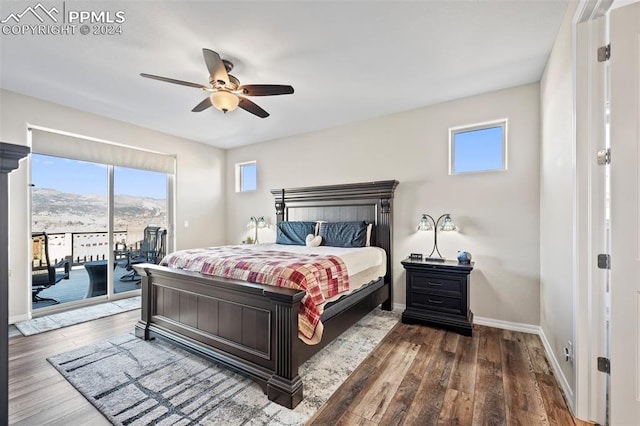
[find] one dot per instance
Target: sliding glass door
(139, 222)
(69, 224)
(87, 233)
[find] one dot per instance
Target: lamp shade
(448, 225)
(261, 223)
(224, 101)
(425, 224)
(257, 222)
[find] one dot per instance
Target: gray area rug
(77, 316)
(137, 382)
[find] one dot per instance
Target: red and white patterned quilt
(321, 276)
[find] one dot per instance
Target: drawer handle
(435, 284)
(435, 301)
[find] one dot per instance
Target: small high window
(246, 176)
(478, 148)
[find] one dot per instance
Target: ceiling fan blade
(254, 109)
(216, 67)
(265, 89)
(173, 80)
(206, 103)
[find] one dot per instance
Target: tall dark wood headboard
(368, 201)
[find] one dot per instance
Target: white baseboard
(17, 318)
(400, 307)
(507, 325)
(557, 371)
(490, 322)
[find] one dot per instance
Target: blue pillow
(343, 234)
(294, 233)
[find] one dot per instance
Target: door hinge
(604, 261)
(604, 365)
(604, 157)
(604, 53)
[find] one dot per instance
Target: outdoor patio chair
(43, 273)
(152, 249)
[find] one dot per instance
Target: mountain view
(54, 211)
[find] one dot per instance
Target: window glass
(478, 148)
(139, 219)
(246, 177)
(70, 229)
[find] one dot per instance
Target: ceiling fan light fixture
(225, 90)
(224, 101)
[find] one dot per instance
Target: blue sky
(80, 177)
(478, 150)
(249, 181)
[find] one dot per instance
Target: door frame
(588, 36)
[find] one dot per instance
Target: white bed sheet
(356, 259)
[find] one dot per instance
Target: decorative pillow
(343, 234)
(294, 233)
(313, 240)
(369, 229)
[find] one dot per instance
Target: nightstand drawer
(436, 302)
(429, 282)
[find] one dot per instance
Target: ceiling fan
(226, 91)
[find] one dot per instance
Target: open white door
(592, 331)
(625, 219)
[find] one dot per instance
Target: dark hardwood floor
(417, 376)
(425, 376)
(38, 394)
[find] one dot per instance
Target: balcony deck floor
(76, 287)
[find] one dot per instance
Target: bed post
(142, 326)
(285, 385)
(384, 232)
(280, 207)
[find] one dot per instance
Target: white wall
(200, 182)
(557, 197)
(497, 212)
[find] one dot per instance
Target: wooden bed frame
(253, 328)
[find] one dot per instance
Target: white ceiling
(348, 61)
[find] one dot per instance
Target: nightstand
(438, 294)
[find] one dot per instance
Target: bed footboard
(250, 328)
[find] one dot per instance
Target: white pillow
(313, 241)
(368, 241)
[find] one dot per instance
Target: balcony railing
(81, 247)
